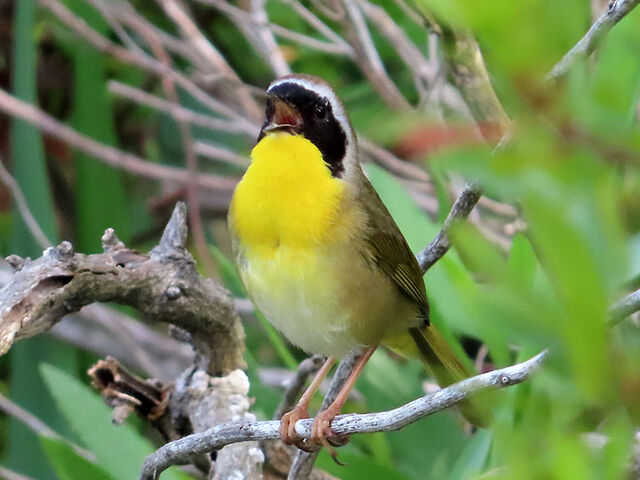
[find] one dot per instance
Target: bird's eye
(321, 111)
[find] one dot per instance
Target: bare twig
(319, 25)
(214, 438)
(23, 207)
(7, 474)
(244, 19)
(461, 208)
(103, 44)
(423, 72)
(306, 368)
(216, 61)
(112, 156)
(390, 162)
(38, 426)
(368, 59)
(191, 159)
(617, 10)
(624, 307)
(209, 150)
(180, 112)
(106, 331)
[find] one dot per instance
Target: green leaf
(120, 450)
(68, 464)
(473, 457)
(27, 152)
(522, 262)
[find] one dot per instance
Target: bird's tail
(443, 364)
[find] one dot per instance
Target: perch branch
(616, 11)
(303, 461)
(217, 437)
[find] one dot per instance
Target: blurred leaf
(29, 391)
(91, 420)
(473, 457)
(69, 465)
(28, 160)
(522, 262)
(358, 467)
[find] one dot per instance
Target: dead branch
(163, 286)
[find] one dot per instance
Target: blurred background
(441, 93)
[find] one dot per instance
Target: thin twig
(216, 61)
(38, 426)
(368, 59)
(624, 307)
(313, 21)
(209, 150)
(441, 244)
(124, 13)
(306, 368)
(241, 18)
(617, 10)
(178, 111)
(191, 159)
(7, 474)
(23, 207)
(103, 44)
(217, 437)
(423, 72)
(109, 155)
(390, 162)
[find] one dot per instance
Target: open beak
(284, 118)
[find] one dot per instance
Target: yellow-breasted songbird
(320, 255)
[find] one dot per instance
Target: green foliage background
(580, 252)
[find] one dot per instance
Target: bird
(320, 255)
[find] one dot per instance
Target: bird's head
(308, 106)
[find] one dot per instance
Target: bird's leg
(322, 423)
(288, 420)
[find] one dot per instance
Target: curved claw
(322, 434)
(288, 425)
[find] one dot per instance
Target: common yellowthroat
(320, 255)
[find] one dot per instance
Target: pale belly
(328, 302)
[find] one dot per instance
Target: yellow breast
(287, 196)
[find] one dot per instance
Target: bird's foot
(288, 425)
(321, 433)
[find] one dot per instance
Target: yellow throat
(287, 196)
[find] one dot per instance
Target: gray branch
(617, 10)
(303, 462)
(228, 433)
(624, 307)
(440, 245)
(163, 286)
